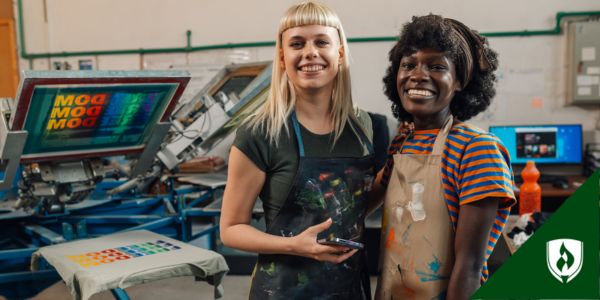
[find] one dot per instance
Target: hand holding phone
(341, 242)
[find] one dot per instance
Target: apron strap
(440, 140)
(298, 135)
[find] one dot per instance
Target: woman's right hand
(305, 244)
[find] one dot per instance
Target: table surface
(549, 191)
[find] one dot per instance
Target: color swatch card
(111, 255)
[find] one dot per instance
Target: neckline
(426, 131)
(316, 134)
(435, 130)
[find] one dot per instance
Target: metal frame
(11, 155)
(167, 214)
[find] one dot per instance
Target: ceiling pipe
(188, 48)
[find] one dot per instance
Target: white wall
(531, 88)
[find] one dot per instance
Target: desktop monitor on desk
(543, 144)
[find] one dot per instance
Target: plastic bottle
(530, 195)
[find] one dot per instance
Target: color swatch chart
(107, 256)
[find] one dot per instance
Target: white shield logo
(564, 258)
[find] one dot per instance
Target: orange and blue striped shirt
(475, 166)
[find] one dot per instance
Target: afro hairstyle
(451, 37)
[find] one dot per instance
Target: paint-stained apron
(417, 234)
(322, 188)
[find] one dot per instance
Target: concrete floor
(235, 287)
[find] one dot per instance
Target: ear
(342, 53)
(281, 60)
(458, 86)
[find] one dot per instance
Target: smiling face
(426, 84)
(311, 55)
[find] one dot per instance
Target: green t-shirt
(281, 163)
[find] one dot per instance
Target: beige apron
(417, 235)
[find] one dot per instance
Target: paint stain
(405, 235)
(408, 292)
(537, 102)
(425, 277)
(270, 270)
(390, 238)
(434, 265)
(302, 278)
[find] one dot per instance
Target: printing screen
(544, 144)
(75, 118)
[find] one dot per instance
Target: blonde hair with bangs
(273, 115)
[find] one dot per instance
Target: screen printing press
(66, 203)
(88, 157)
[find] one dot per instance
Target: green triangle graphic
(526, 274)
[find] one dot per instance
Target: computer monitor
(543, 144)
(71, 115)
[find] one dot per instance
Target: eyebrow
(320, 35)
(429, 58)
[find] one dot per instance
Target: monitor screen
(544, 144)
(85, 117)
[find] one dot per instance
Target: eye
(296, 44)
(407, 66)
(438, 67)
(322, 43)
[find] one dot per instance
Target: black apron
(322, 188)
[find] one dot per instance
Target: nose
(419, 73)
(310, 51)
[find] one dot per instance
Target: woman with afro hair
(448, 185)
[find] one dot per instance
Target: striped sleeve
(485, 172)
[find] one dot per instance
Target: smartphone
(341, 242)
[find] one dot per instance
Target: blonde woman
(307, 153)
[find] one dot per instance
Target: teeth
(419, 93)
(312, 68)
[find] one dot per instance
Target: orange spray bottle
(530, 195)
